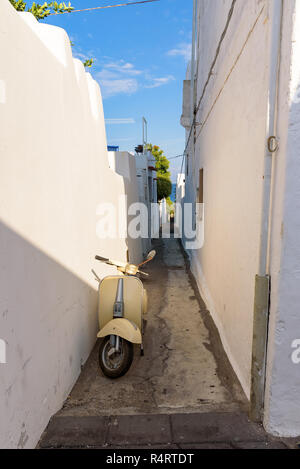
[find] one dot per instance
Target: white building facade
(54, 179)
(147, 189)
(241, 112)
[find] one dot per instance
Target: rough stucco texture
(282, 415)
(230, 149)
(53, 173)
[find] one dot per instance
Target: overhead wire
(210, 74)
(230, 73)
(105, 7)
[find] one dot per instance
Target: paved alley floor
(183, 387)
(183, 369)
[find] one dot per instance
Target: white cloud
(156, 82)
(128, 120)
(107, 75)
(80, 55)
(116, 77)
(120, 77)
(123, 67)
(184, 50)
(113, 87)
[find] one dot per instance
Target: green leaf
(88, 63)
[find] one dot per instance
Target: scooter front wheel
(116, 364)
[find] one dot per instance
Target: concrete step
(181, 431)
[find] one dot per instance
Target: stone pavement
(173, 431)
(185, 368)
(182, 394)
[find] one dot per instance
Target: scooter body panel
(124, 328)
(134, 300)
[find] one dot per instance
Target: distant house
(112, 148)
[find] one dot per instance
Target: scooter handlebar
(121, 266)
(143, 273)
(110, 261)
(101, 259)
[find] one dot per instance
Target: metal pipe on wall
(193, 102)
(193, 61)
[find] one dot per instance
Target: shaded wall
(230, 146)
(282, 405)
(230, 149)
(53, 173)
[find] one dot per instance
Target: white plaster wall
(282, 407)
(178, 216)
(53, 173)
(142, 178)
(230, 149)
(124, 163)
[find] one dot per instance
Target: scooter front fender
(124, 328)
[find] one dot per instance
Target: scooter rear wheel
(118, 364)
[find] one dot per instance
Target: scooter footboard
(124, 328)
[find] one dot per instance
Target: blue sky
(141, 54)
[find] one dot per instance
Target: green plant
(164, 187)
(88, 63)
(164, 184)
(162, 163)
(19, 5)
(42, 11)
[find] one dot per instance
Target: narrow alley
(184, 371)
(150, 225)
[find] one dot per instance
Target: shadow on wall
(48, 320)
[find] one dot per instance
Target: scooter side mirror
(151, 255)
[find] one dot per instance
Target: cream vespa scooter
(122, 303)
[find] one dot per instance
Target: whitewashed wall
(142, 165)
(124, 163)
(282, 413)
(180, 196)
(230, 149)
(53, 173)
